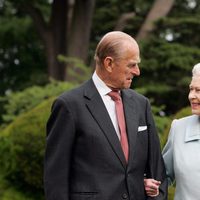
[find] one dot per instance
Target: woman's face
(194, 95)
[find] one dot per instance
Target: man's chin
(126, 87)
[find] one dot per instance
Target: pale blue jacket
(182, 157)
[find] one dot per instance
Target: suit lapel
(99, 112)
(131, 116)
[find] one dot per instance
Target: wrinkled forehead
(195, 82)
(133, 50)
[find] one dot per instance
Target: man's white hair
(196, 70)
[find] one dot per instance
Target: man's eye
(132, 66)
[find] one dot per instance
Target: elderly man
(101, 137)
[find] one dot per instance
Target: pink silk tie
(115, 96)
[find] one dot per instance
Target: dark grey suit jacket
(84, 159)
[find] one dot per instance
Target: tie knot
(115, 96)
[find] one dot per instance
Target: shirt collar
(102, 88)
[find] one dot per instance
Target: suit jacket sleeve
(60, 138)
(155, 166)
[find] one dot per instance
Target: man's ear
(108, 63)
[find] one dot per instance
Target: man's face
(194, 95)
(125, 69)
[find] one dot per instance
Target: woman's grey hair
(196, 70)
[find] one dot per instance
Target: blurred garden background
(47, 47)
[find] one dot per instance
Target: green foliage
(171, 191)
(12, 194)
(183, 113)
(22, 141)
(180, 29)
(77, 70)
(185, 8)
(150, 88)
(161, 124)
(166, 72)
(169, 55)
(22, 146)
(22, 59)
(8, 192)
(110, 13)
(106, 17)
(16, 103)
(161, 121)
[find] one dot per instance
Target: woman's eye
(197, 90)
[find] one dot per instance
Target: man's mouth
(130, 79)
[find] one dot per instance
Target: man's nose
(136, 71)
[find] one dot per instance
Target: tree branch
(38, 20)
(159, 9)
(123, 20)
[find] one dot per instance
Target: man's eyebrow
(136, 61)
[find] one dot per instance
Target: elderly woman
(182, 151)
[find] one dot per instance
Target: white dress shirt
(103, 90)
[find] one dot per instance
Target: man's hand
(151, 187)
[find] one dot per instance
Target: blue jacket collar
(193, 129)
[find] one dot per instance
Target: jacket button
(124, 196)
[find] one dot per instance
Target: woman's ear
(108, 63)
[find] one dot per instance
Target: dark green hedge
(22, 146)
